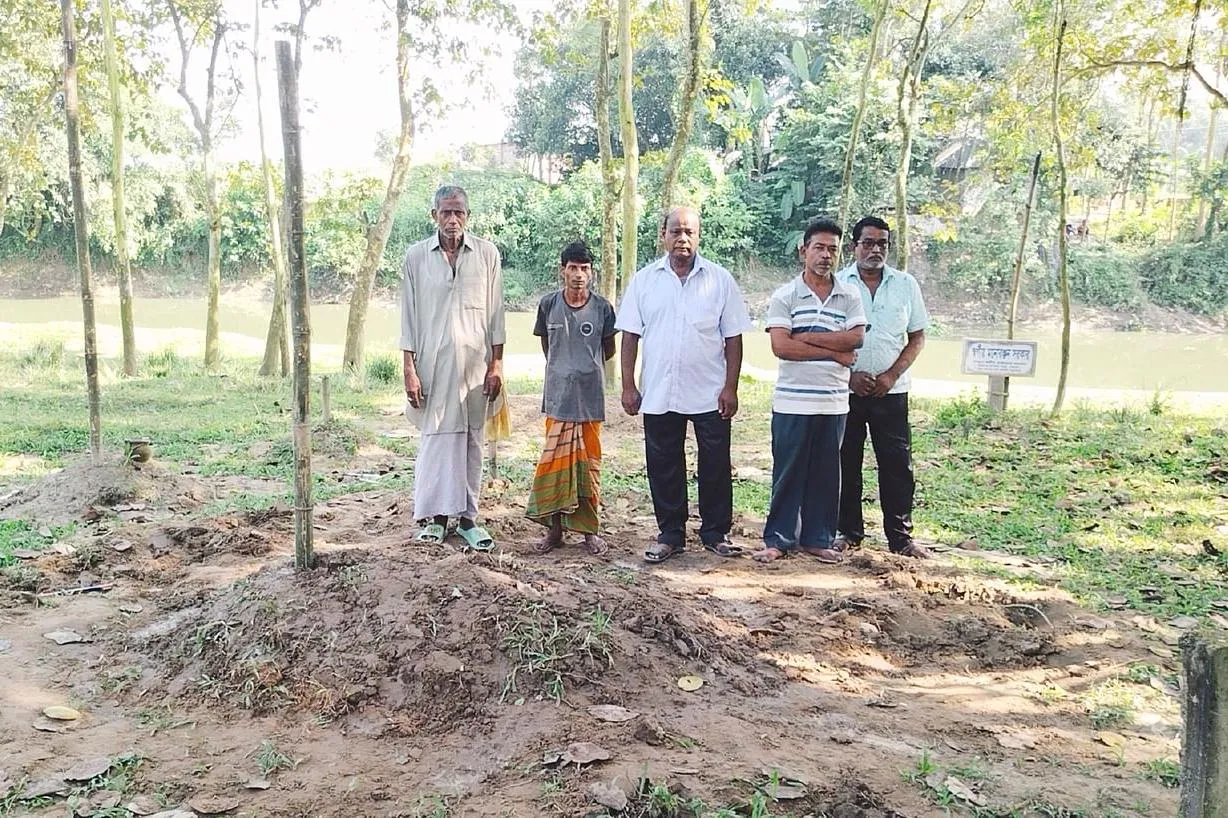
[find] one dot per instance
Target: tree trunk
(609, 182)
(5, 185)
(214, 282)
(850, 153)
(276, 344)
(1059, 152)
(1204, 710)
(81, 225)
(906, 106)
(1017, 279)
(122, 261)
(1108, 216)
(631, 145)
(1180, 126)
(300, 315)
(696, 18)
(377, 235)
(1151, 127)
(1208, 157)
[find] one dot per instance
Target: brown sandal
(547, 544)
(917, 552)
(595, 545)
(827, 556)
(769, 554)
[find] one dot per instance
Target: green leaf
(801, 61)
(786, 205)
(799, 191)
(758, 95)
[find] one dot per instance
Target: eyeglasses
(872, 244)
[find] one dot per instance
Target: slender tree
(863, 89)
(72, 118)
(377, 235)
(123, 263)
(210, 22)
(696, 26)
(609, 181)
(1059, 153)
(1175, 173)
(630, 140)
(300, 314)
(276, 344)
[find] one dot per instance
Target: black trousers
(665, 454)
(886, 418)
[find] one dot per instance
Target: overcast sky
(349, 96)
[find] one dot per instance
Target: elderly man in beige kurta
(452, 336)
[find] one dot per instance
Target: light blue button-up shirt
(894, 310)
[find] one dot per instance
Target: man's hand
(413, 388)
(862, 384)
(632, 400)
(844, 358)
(883, 383)
(727, 402)
(492, 385)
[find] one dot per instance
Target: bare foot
(548, 543)
(768, 555)
(594, 544)
(826, 555)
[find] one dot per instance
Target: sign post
(999, 360)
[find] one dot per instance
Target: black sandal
(723, 548)
(660, 552)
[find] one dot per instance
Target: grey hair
(448, 192)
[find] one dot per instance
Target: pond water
(1100, 359)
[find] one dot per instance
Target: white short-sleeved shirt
(813, 387)
(683, 327)
(894, 310)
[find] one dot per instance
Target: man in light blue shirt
(879, 385)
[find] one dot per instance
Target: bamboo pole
(287, 81)
(80, 225)
(1204, 753)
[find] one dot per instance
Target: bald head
(680, 236)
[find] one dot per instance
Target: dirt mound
(85, 491)
(430, 640)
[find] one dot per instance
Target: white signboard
(1003, 358)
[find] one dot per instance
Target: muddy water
(1099, 358)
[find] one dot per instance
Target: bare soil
(399, 679)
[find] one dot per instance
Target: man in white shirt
(880, 384)
(452, 335)
(690, 315)
(816, 322)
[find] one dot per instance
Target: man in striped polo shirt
(816, 323)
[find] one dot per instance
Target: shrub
(1103, 277)
(1190, 276)
(383, 369)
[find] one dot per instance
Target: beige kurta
(450, 322)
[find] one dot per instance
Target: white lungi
(448, 474)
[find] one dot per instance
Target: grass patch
(19, 535)
(549, 653)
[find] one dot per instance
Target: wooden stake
(80, 225)
(1204, 753)
(287, 82)
(326, 399)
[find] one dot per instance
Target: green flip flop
(476, 538)
(432, 533)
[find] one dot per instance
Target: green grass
(16, 535)
(1114, 502)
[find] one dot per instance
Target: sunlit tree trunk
(1059, 150)
(696, 16)
(905, 115)
(122, 262)
(631, 145)
(1175, 176)
(203, 121)
(276, 343)
(377, 235)
(867, 75)
(1208, 157)
(609, 181)
(80, 225)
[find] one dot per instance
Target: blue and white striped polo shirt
(813, 387)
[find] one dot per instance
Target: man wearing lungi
(452, 335)
(576, 327)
